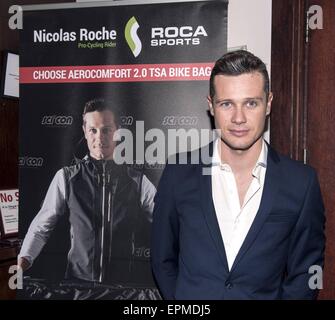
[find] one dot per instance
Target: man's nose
(238, 116)
(99, 135)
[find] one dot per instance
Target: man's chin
(242, 146)
(101, 156)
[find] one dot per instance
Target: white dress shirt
(235, 220)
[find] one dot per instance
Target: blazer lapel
(271, 185)
(209, 210)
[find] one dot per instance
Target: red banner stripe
(117, 73)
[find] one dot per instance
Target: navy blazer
(284, 241)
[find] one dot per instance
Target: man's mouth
(239, 132)
(101, 146)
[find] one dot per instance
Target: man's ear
(269, 103)
(84, 131)
(210, 105)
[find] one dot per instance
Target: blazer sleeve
(307, 245)
(164, 236)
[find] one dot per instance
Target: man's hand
(23, 263)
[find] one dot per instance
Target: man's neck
(241, 160)
(100, 159)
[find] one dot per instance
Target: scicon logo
(126, 120)
(182, 121)
(57, 120)
(31, 161)
(132, 38)
(142, 252)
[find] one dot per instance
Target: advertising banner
(9, 212)
(85, 216)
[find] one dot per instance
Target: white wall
(249, 23)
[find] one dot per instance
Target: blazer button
(229, 285)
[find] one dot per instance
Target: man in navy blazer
(248, 223)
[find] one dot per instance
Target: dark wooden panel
(287, 82)
(8, 144)
(321, 129)
(9, 40)
(303, 81)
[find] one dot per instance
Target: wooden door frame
(291, 67)
(288, 77)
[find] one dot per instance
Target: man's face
(99, 128)
(240, 108)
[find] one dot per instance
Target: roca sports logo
(177, 36)
(132, 38)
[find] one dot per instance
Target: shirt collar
(261, 161)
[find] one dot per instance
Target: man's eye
(252, 104)
(225, 105)
(106, 130)
(92, 130)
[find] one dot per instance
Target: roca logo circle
(57, 120)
